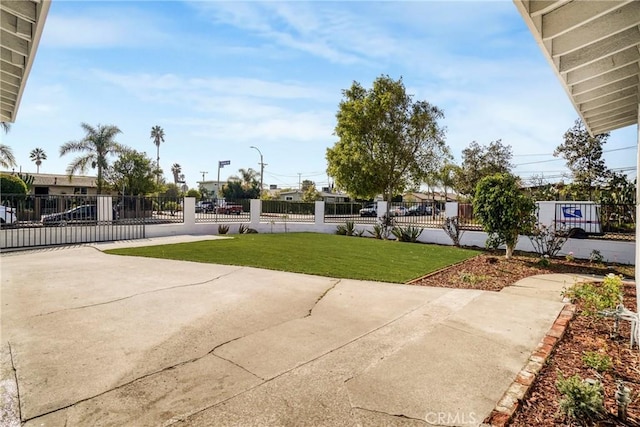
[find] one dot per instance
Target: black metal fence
(213, 210)
(287, 211)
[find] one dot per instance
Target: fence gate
(35, 221)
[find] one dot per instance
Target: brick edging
(519, 388)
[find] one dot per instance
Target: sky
(221, 77)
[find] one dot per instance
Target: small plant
(223, 228)
(383, 227)
(377, 231)
(544, 261)
(569, 257)
(359, 233)
(582, 400)
(407, 234)
(598, 361)
(349, 229)
(596, 257)
(453, 229)
(598, 296)
(244, 229)
(472, 278)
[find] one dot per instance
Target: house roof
(593, 47)
(45, 179)
(22, 24)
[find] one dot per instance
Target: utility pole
(299, 181)
(203, 174)
(262, 165)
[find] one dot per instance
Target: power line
(555, 160)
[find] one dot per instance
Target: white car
(7, 215)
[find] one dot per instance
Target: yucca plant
(407, 234)
(223, 229)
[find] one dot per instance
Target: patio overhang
(594, 48)
(21, 26)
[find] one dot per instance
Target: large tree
(95, 147)
(134, 172)
(37, 155)
(479, 161)
(388, 142)
(503, 209)
(157, 136)
(245, 186)
(583, 154)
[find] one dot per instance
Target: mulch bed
(491, 271)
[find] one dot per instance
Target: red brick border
(507, 405)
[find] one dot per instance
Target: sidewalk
(137, 341)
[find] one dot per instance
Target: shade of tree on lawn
(387, 141)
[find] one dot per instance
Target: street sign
(223, 163)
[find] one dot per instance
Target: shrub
(598, 296)
(598, 361)
(245, 229)
(12, 184)
(581, 400)
(377, 231)
(407, 234)
(547, 240)
(349, 229)
(223, 229)
(544, 261)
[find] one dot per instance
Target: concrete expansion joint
(186, 285)
(399, 416)
(329, 289)
(520, 387)
(12, 410)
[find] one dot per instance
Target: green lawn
(315, 253)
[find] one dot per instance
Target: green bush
(581, 400)
(349, 229)
(12, 184)
(598, 361)
(245, 229)
(598, 296)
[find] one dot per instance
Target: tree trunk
(509, 252)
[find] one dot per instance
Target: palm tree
(97, 144)
(176, 169)
(7, 159)
(157, 135)
(6, 127)
(37, 155)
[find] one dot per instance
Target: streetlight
(261, 168)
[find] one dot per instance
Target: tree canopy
(583, 154)
(503, 210)
(96, 146)
(136, 171)
(479, 162)
(387, 141)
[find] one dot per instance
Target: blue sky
(220, 77)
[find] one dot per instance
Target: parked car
(399, 211)
(7, 215)
(369, 210)
(422, 210)
(81, 214)
(204, 207)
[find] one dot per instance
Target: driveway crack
(186, 285)
(15, 376)
(329, 289)
(401, 416)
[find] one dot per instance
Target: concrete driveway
(102, 340)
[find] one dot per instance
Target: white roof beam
(631, 100)
(24, 9)
(624, 41)
(604, 79)
(613, 126)
(613, 119)
(575, 14)
(14, 43)
(629, 109)
(605, 65)
(629, 82)
(12, 70)
(540, 7)
(9, 81)
(612, 97)
(605, 26)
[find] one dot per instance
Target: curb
(519, 388)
